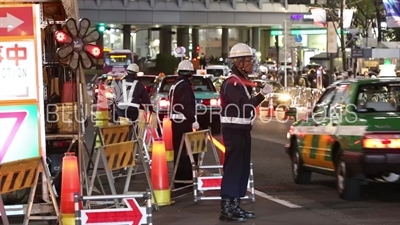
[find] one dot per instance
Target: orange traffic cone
(309, 108)
(258, 110)
(159, 174)
(167, 138)
(271, 111)
(70, 184)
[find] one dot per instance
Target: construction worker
(183, 117)
(131, 95)
(238, 110)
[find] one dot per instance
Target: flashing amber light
(62, 37)
(70, 183)
(385, 141)
(93, 50)
(167, 138)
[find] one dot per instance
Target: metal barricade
(196, 144)
(132, 214)
(23, 174)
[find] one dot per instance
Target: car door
(313, 128)
(327, 127)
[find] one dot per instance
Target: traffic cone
(102, 116)
(271, 111)
(159, 174)
(309, 108)
(167, 138)
(70, 184)
(258, 110)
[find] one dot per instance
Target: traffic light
(101, 27)
(197, 49)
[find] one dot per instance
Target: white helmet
(240, 50)
(185, 65)
(133, 68)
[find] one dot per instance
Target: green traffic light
(101, 27)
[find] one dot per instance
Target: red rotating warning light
(93, 50)
(62, 37)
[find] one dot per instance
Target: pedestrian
(238, 113)
(131, 95)
(183, 117)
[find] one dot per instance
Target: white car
(218, 70)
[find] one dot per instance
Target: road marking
(277, 200)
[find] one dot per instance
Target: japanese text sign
(18, 70)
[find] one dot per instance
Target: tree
(365, 12)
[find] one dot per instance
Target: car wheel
(348, 186)
(299, 172)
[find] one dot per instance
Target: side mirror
(292, 111)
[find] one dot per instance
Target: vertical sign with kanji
(21, 83)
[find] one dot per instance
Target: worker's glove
(267, 89)
(195, 125)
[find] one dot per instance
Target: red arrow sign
(20, 116)
(131, 215)
(16, 21)
(211, 182)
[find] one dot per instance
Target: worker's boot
(242, 212)
(229, 212)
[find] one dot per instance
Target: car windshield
(215, 72)
(146, 80)
(381, 97)
(201, 84)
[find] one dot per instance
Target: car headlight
(284, 97)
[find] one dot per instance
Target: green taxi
(207, 100)
(353, 133)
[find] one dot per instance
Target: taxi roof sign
(387, 70)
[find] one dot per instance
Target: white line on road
(277, 200)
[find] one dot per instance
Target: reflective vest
(127, 97)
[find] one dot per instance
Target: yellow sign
(117, 56)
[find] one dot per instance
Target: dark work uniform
(140, 97)
(182, 113)
(236, 118)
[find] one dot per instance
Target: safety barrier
(23, 174)
(132, 214)
(196, 143)
(117, 151)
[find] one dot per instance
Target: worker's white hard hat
(133, 68)
(185, 65)
(240, 50)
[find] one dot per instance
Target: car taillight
(163, 103)
(214, 102)
(376, 141)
